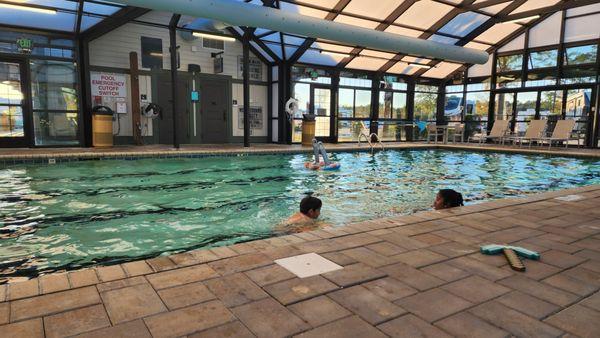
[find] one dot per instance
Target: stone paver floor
(418, 275)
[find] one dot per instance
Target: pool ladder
(369, 138)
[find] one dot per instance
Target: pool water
(68, 215)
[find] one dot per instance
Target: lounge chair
(499, 131)
(562, 132)
(535, 131)
(459, 133)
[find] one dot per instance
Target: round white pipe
(246, 14)
(202, 24)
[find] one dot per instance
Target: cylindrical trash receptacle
(308, 129)
(102, 126)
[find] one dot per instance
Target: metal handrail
(368, 139)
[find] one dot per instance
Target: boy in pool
(447, 198)
(310, 209)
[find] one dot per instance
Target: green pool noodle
(493, 249)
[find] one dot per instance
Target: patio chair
(459, 133)
(433, 131)
(562, 133)
(499, 131)
(535, 131)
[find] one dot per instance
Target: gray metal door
(164, 100)
(214, 110)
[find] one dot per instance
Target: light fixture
(214, 36)
(326, 52)
(156, 54)
(27, 8)
(419, 65)
(529, 18)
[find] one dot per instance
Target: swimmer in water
(310, 209)
(447, 198)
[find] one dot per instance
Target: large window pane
(55, 128)
(547, 58)
(508, 81)
(580, 55)
(399, 107)
(345, 102)
(453, 107)
(578, 108)
(393, 131)
(10, 83)
(11, 121)
(392, 105)
(526, 103)
(54, 85)
(362, 104)
(425, 106)
(509, 63)
(551, 107)
(349, 131)
(385, 104)
(582, 74)
(504, 106)
(301, 92)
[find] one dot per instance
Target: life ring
(321, 165)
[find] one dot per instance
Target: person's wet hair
(451, 198)
(310, 203)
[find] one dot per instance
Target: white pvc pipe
(237, 13)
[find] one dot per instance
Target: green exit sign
(25, 45)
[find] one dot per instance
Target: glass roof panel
(416, 59)
(403, 68)
(58, 21)
(289, 51)
(356, 21)
(100, 9)
(332, 47)
(275, 48)
(497, 32)
(424, 14)
(441, 70)
(493, 10)
(477, 45)
(275, 37)
(261, 51)
(464, 24)
(366, 63)
(530, 5)
(377, 54)
(62, 4)
(322, 3)
(89, 21)
(293, 40)
(443, 39)
(365, 7)
(404, 31)
(315, 57)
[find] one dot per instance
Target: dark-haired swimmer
(447, 198)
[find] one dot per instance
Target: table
(444, 129)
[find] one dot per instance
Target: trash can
(102, 126)
(308, 129)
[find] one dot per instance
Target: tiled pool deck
(42, 155)
(418, 275)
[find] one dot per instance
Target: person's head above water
(311, 206)
(447, 198)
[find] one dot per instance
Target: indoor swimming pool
(74, 214)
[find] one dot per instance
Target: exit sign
(25, 45)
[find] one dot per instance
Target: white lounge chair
(434, 131)
(499, 131)
(535, 131)
(562, 133)
(459, 133)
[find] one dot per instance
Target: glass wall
(425, 108)
(11, 101)
(477, 108)
(393, 122)
(354, 106)
(578, 107)
(311, 99)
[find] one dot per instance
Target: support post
(135, 98)
(246, 76)
(173, 52)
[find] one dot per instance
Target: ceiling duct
(203, 25)
(246, 14)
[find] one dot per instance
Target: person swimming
(310, 209)
(447, 198)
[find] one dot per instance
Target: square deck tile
(132, 303)
(268, 318)
(347, 327)
(307, 265)
(411, 326)
(319, 311)
(369, 306)
(434, 304)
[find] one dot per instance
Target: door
(165, 123)
(320, 98)
(214, 104)
(14, 126)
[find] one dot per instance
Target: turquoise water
(63, 216)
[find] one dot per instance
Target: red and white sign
(108, 85)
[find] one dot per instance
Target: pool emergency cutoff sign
(108, 85)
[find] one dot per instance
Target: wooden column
(135, 98)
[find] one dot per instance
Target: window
(312, 75)
(543, 59)
(355, 80)
(580, 55)
(152, 53)
(504, 106)
(354, 103)
(425, 104)
(578, 107)
(453, 107)
(213, 43)
(509, 63)
(526, 103)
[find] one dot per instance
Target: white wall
(112, 50)
(258, 97)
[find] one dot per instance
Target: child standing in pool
(305, 219)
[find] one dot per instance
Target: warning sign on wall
(108, 84)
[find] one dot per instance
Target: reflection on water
(81, 213)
